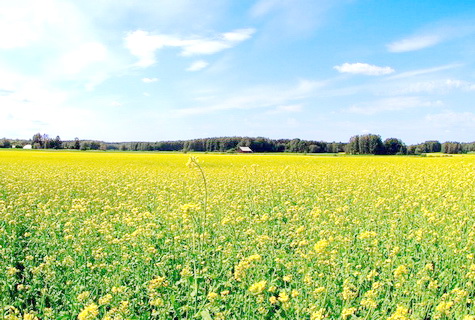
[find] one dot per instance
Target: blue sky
(153, 70)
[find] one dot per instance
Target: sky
(153, 70)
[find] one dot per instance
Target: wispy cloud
(288, 17)
(419, 72)
(414, 43)
(143, 44)
(263, 97)
(435, 86)
(449, 118)
(392, 104)
(432, 35)
(197, 65)
(363, 68)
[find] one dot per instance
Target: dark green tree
(394, 146)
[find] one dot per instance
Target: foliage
(452, 147)
(365, 144)
(394, 146)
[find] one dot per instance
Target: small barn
(28, 146)
(244, 150)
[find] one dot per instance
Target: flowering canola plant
(87, 235)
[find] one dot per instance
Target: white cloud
(86, 54)
(450, 118)
(432, 35)
(63, 40)
(238, 35)
(414, 43)
(363, 68)
(35, 107)
(197, 65)
(143, 44)
(392, 104)
(290, 17)
(258, 97)
(435, 86)
(149, 80)
(419, 72)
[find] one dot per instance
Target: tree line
(359, 144)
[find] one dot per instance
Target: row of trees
(359, 144)
(231, 144)
(43, 141)
(372, 144)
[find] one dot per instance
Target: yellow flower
(157, 282)
(401, 313)
(12, 271)
(89, 312)
(212, 295)
(444, 307)
(243, 265)
(258, 287)
(287, 278)
(347, 312)
(186, 272)
(367, 235)
(283, 297)
(254, 257)
(124, 306)
(273, 300)
(372, 274)
(105, 299)
(319, 290)
(157, 302)
(318, 315)
(29, 316)
(349, 292)
(321, 245)
(400, 271)
(368, 303)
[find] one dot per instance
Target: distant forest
(359, 144)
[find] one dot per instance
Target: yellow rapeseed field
(161, 236)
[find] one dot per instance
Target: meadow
(102, 235)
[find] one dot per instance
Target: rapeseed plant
(141, 236)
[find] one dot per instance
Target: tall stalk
(193, 163)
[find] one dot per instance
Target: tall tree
(394, 146)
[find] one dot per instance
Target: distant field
(87, 235)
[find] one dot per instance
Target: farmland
(104, 235)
